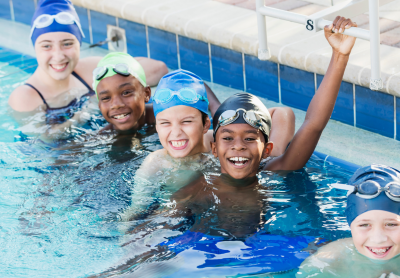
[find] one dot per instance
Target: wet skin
(240, 148)
(181, 129)
(376, 234)
(122, 101)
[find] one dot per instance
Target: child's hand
(342, 44)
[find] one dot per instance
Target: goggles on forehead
(122, 69)
(230, 116)
(371, 189)
(63, 18)
(187, 95)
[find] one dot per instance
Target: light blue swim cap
(179, 81)
(381, 174)
(45, 19)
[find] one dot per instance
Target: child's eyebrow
(124, 84)
(252, 131)
(227, 130)
(103, 92)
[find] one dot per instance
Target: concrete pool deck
(339, 140)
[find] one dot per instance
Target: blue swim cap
(382, 175)
(180, 80)
(53, 8)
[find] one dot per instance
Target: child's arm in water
(323, 102)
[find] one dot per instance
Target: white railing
(317, 21)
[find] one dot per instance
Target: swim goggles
(371, 189)
(63, 18)
(230, 116)
(122, 69)
(187, 95)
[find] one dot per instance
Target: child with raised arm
(242, 123)
(373, 214)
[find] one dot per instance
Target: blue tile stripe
(5, 9)
(227, 67)
(344, 106)
(297, 87)
(194, 57)
(375, 111)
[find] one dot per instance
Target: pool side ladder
(316, 22)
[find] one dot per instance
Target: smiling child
(373, 214)
(120, 85)
(242, 124)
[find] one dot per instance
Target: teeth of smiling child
(179, 143)
(121, 116)
(58, 66)
(238, 158)
(380, 251)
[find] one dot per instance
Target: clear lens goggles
(122, 69)
(229, 116)
(187, 95)
(371, 189)
(63, 18)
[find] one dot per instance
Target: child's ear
(214, 148)
(267, 149)
(147, 93)
(207, 125)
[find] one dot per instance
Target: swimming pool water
(62, 205)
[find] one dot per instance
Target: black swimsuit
(61, 114)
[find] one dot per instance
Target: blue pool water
(62, 207)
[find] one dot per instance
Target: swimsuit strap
(44, 101)
(83, 82)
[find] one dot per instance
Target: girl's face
(180, 129)
(57, 54)
(376, 234)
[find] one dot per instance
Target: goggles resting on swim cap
(63, 18)
(122, 69)
(230, 116)
(187, 95)
(371, 189)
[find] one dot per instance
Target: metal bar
(263, 51)
(281, 14)
(354, 31)
(376, 81)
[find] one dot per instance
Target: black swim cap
(381, 174)
(247, 102)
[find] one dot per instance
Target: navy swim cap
(180, 80)
(382, 175)
(52, 8)
(247, 102)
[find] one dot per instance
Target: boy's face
(376, 234)
(122, 100)
(240, 148)
(180, 129)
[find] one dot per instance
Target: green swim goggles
(187, 95)
(122, 69)
(230, 116)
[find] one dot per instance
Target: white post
(263, 50)
(376, 81)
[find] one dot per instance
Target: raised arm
(320, 109)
